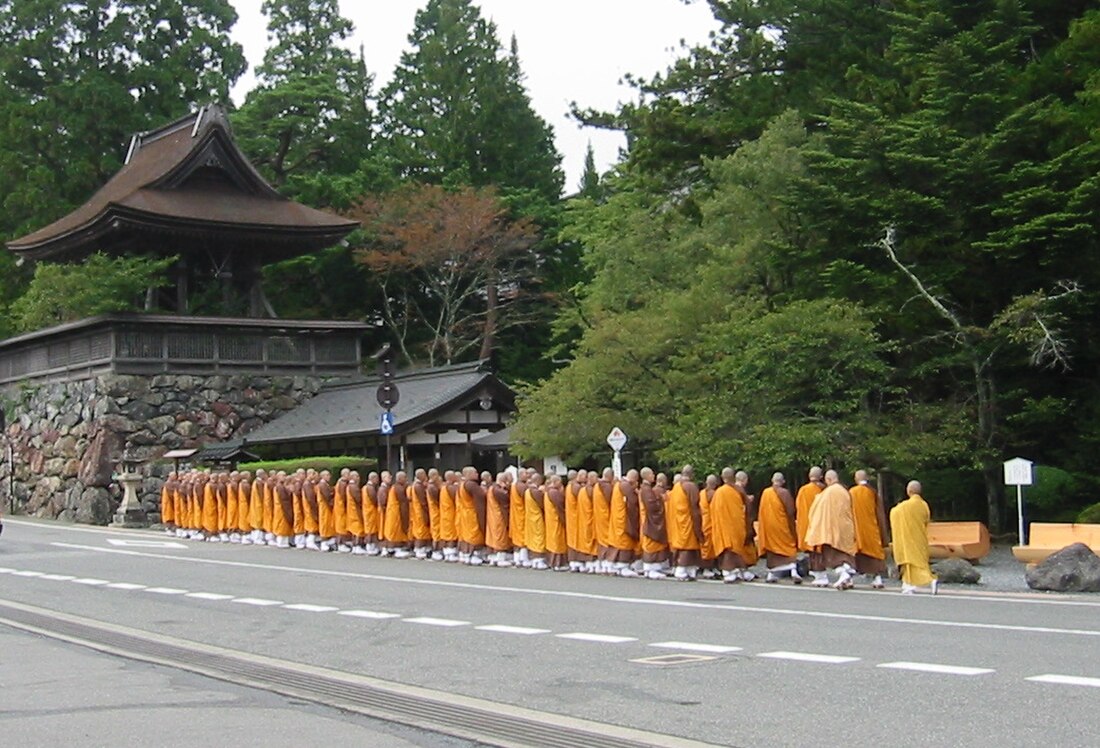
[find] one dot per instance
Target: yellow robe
(831, 521)
(244, 492)
(340, 509)
(601, 516)
(909, 527)
(210, 509)
(370, 510)
(571, 518)
(865, 513)
(774, 533)
(802, 504)
(679, 521)
(586, 530)
(556, 528)
(728, 523)
(706, 549)
(231, 508)
(517, 524)
(448, 509)
(395, 527)
(256, 505)
(167, 506)
(535, 530)
(619, 537)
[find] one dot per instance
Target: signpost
(388, 397)
(1019, 472)
(617, 440)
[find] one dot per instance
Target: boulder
(94, 507)
(1075, 568)
(956, 571)
(98, 462)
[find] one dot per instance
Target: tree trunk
(488, 340)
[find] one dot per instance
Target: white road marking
(307, 608)
(145, 543)
(655, 602)
(521, 630)
(209, 596)
(690, 647)
(444, 622)
(166, 591)
(929, 667)
(59, 577)
(126, 586)
(807, 657)
(372, 614)
(1066, 680)
(27, 574)
(602, 638)
(90, 582)
(6, 570)
(257, 601)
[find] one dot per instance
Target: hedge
(333, 464)
(1091, 515)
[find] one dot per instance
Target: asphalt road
(777, 665)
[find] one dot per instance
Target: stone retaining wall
(68, 437)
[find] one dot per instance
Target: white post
(617, 464)
(1020, 510)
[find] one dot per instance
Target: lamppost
(130, 513)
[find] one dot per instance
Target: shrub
(333, 464)
(1091, 515)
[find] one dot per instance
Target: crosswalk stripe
(371, 614)
(257, 601)
(807, 657)
(307, 608)
(90, 582)
(444, 622)
(929, 667)
(601, 638)
(1066, 680)
(521, 630)
(126, 586)
(166, 591)
(691, 647)
(209, 596)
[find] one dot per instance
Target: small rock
(1075, 568)
(956, 571)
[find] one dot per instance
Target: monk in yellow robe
(222, 493)
(497, 515)
(601, 520)
(870, 516)
(572, 486)
(535, 519)
(435, 481)
(651, 510)
(448, 516)
(256, 508)
(370, 513)
(244, 496)
(340, 512)
(625, 525)
(730, 530)
(517, 523)
(554, 512)
(802, 504)
(297, 488)
(909, 526)
(586, 529)
(167, 504)
(420, 528)
(355, 527)
(684, 523)
(777, 536)
(832, 534)
(397, 517)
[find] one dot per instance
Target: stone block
(956, 571)
(98, 463)
(1075, 568)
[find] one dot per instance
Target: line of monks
(639, 525)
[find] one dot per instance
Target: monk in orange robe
(777, 537)
(310, 510)
(268, 492)
(326, 511)
(729, 521)
(385, 483)
(448, 516)
(586, 527)
(167, 504)
(535, 518)
(354, 514)
(802, 504)
(554, 512)
(340, 512)
(370, 514)
(601, 520)
(397, 517)
(256, 508)
(707, 567)
(832, 534)
(229, 529)
(684, 525)
(434, 483)
(870, 517)
(497, 516)
(651, 506)
(471, 518)
(517, 523)
(420, 528)
(282, 511)
(210, 509)
(244, 496)
(625, 525)
(749, 552)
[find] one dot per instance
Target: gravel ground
(1000, 572)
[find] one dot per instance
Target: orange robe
(517, 523)
(244, 492)
(340, 509)
(448, 512)
(586, 530)
(433, 514)
(496, 519)
(354, 511)
(210, 509)
(680, 521)
(231, 508)
(870, 521)
(802, 503)
(535, 531)
(223, 506)
(706, 548)
(268, 493)
(624, 520)
(256, 505)
(326, 520)
(395, 527)
(420, 528)
(775, 534)
(370, 509)
(572, 528)
(299, 511)
(729, 527)
(601, 515)
(309, 507)
(282, 512)
(167, 506)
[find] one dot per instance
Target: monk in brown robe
(397, 517)
(448, 516)
(601, 518)
(654, 532)
(326, 511)
(748, 552)
(435, 481)
(385, 482)
(282, 511)
(684, 525)
(517, 523)
(832, 534)
(707, 567)
(497, 517)
(729, 521)
(535, 517)
(586, 527)
(370, 514)
(802, 504)
(625, 525)
(870, 517)
(554, 510)
(777, 537)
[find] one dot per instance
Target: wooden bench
(1050, 537)
(969, 540)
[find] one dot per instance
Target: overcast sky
(570, 50)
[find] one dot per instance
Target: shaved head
(860, 476)
(913, 488)
(831, 477)
(742, 476)
(815, 473)
(688, 472)
(728, 474)
(647, 474)
(778, 479)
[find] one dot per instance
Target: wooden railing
(152, 344)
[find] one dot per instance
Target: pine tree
(590, 179)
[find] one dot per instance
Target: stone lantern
(130, 513)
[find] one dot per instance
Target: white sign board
(616, 439)
(1018, 472)
(555, 466)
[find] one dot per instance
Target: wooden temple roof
(188, 180)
